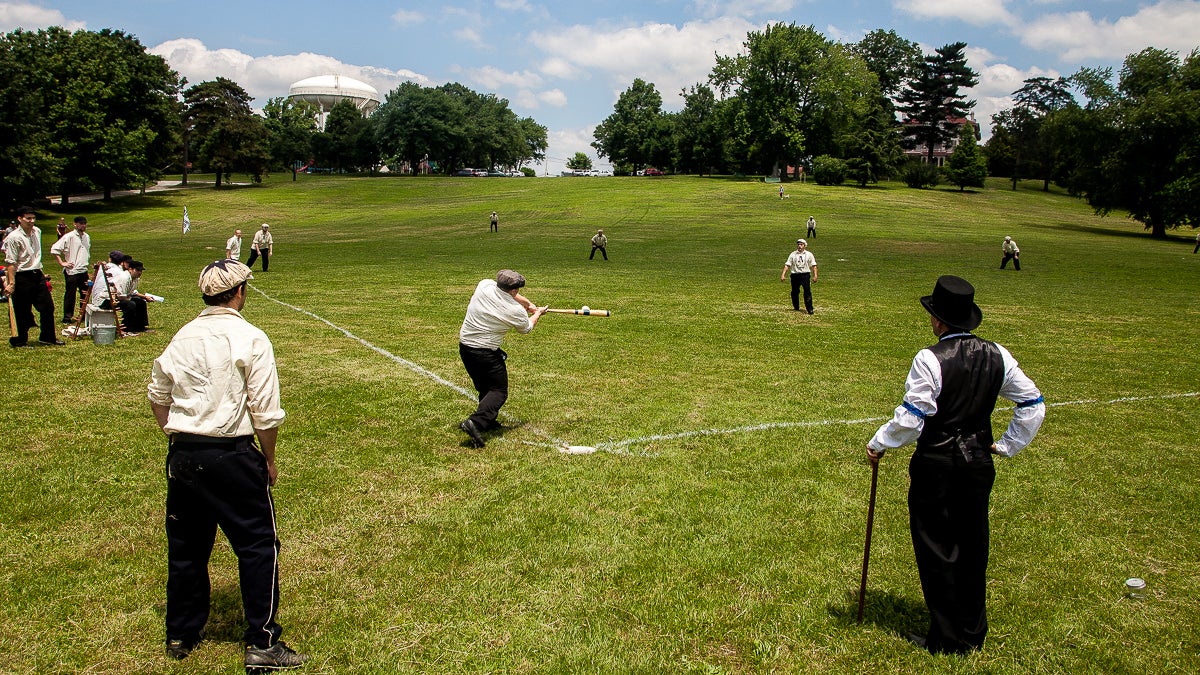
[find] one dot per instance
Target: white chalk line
(424, 372)
(620, 447)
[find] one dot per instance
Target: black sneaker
(473, 431)
(179, 649)
(276, 657)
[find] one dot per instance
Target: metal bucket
(104, 335)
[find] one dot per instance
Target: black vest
(972, 374)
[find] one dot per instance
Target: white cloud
(514, 5)
(710, 9)
(1171, 24)
(671, 57)
(405, 18)
(14, 15)
(975, 12)
(494, 78)
(265, 77)
(469, 35)
(997, 81)
(553, 97)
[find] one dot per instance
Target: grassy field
(719, 527)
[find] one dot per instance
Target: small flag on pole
(187, 224)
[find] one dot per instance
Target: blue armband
(913, 409)
(1031, 402)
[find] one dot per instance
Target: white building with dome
(325, 91)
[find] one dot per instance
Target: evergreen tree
(933, 97)
(967, 167)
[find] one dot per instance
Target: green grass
(405, 550)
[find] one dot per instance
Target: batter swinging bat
(586, 311)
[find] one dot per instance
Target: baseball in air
(585, 308)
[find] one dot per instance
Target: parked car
(651, 171)
(604, 172)
(465, 172)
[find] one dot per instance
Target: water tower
(325, 91)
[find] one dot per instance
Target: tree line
(795, 98)
(93, 111)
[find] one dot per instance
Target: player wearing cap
(803, 268)
(263, 245)
(947, 410)
(1009, 251)
(214, 390)
(495, 308)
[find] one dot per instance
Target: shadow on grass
(895, 613)
(1112, 232)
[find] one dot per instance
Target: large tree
(629, 136)
(348, 141)
(1033, 150)
(82, 111)
(224, 135)
(893, 59)
(798, 91)
(292, 124)
(1136, 146)
(935, 96)
(698, 136)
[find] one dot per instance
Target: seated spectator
(133, 302)
(101, 297)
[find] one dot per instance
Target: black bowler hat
(953, 303)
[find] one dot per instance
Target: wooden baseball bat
(12, 315)
(581, 312)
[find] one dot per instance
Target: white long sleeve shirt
(924, 385)
(218, 377)
(490, 315)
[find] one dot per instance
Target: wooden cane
(862, 586)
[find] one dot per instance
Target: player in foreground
(495, 308)
(948, 401)
(213, 390)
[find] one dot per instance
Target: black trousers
(812, 232)
(802, 280)
(220, 483)
(135, 318)
(254, 253)
(489, 374)
(602, 252)
(1016, 258)
(76, 284)
(948, 518)
(29, 293)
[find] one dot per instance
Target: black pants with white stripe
(211, 483)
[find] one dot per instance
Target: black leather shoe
(917, 640)
(473, 431)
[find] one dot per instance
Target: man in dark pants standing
(948, 401)
(495, 308)
(73, 252)
(25, 284)
(213, 391)
(802, 266)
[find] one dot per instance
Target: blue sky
(564, 63)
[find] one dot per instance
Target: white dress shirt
(799, 262)
(218, 377)
(75, 248)
(924, 385)
(490, 314)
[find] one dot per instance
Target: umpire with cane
(948, 401)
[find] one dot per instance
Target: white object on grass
(577, 450)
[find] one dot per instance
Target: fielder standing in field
(1010, 251)
(25, 284)
(812, 228)
(262, 244)
(599, 243)
(233, 246)
(213, 391)
(802, 266)
(495, 308)
(948, 401)
(494, 223)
